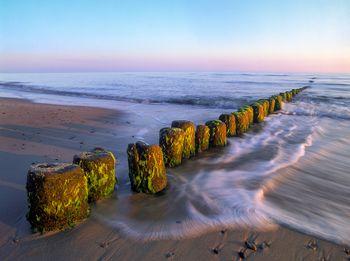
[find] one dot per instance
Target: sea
(292, 170)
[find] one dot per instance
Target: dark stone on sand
(215, 250)
(57, 196)
(171, 140)
(251, 245)
(242, 254)
(230, 122)
(146, 168)
(202, 138)
(99, 168)
(217, 133)
(189, 149)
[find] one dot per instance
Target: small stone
(264, 245)
(251, 245)
(215, 250)
(347, 251)
(241, 254)
(312, 245)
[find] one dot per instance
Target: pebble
(215, 250)
(251, 245)
(241, 254)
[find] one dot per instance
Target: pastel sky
(175, 35)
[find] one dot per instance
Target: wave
(211, 102)
(215, 193)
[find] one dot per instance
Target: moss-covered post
(230, 122)
(146, 168)
(189, 129)
(259, 112)
(272, 105)
(171, 140)
(57, 196)
(265, 103)
(284, 96)
(217, 133)
(249, 114)
(202, 138)
(242, 122)
(278, 102)
(99, 169)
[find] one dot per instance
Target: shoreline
(33, 132)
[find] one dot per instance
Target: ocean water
(293, 169)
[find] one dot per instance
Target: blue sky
(175, 35)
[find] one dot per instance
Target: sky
(175, 35)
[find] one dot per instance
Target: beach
(282, 186)
(32, 132)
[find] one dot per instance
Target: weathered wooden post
(146, 168)
(259, 112)
(230, 122)
(189, 149)
(57, 196)
(99, 168)
(278, 102)
(242, 122)
(171, 140)
(217, 133)
(202, 138)
(272, 103)
(249, 114)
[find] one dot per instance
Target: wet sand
(32, 132)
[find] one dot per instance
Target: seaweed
(57, 196)
(146, 168)
(99, 169)
(171, 140)
(217, 130)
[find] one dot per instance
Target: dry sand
(32, 132)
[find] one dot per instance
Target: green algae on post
(99, 169)
(230, 122)
(171, 140)
(189, 129)
(272, 105)
(57, 196)
(217, 133)
(146, 168)
(259, 112)
(278, 102)
(202, 138)
(242, 122)
(249, 113)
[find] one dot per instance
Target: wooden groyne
(184, 140)
(59, 194)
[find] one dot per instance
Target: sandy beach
(32, 132)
